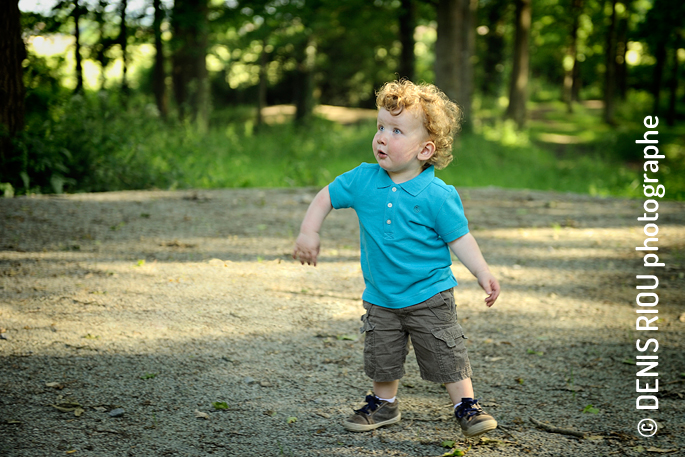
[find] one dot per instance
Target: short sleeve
(342, 189)
(451, 221)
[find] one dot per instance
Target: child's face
(401, 144)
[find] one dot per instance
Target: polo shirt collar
(413, 187)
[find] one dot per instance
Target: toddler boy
(409, 220)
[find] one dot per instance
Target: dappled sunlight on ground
(164, 302)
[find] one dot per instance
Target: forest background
(137, 94)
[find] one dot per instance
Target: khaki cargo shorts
(438, 340)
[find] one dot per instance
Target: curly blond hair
(441, 116)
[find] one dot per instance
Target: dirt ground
(176, 324)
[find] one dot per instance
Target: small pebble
(116, 412)
(249, 380)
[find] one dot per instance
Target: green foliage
(93, 142)
(89, 143)
(220, 405)
(590, 410)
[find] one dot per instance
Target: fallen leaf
(590, 409)
(291, 420)
(201, 415)
(55, 385)
(494, 442)
(63, 409)
(573, 388)
(493, 359)
(448, 443)
(220, 405)
(78, 412)
(660, 451)
(71, 452)
(101, 409)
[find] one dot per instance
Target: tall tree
(304, 85)
(453, 50)
(407, 19)
(78, 10)
(493, 56)
(673, 85)
(610, 64)
(12, 54)
(123, 39)
(570, 66)
(158, 72)
(189, 70)
(518, 86)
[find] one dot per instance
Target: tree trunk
(660, 54)
(610, 73)
(12, 53)
(261, 96)
(572, 56)
(122, 42)
(492, 60)
(671, 114)
(159, 74)
(189, 71)
(407, 19)
(304, 89)
(77, 48)
(518, 87)
(620, 59)
(453, 51)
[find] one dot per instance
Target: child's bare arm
(308, 242)
(467, 250)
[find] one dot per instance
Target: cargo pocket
(366, 325)
(443, 307)
(452, 336)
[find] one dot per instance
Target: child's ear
(427, 151)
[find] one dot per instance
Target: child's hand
(307, 248)
(490, 285)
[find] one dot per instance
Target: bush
(89, 143)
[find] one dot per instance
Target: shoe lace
(372, 404)
(468, 409)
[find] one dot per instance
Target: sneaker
(376, 413)
(472, 419)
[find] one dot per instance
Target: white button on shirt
(389, 221)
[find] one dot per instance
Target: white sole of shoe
(480, 429)
(351, 426)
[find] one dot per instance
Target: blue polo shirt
(404, 230)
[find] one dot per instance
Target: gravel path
(128, 318)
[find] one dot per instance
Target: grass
(557, 151)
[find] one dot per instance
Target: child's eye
(396, 131)
(381, 128)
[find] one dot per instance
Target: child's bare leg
(386, 389)
(458, 390)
